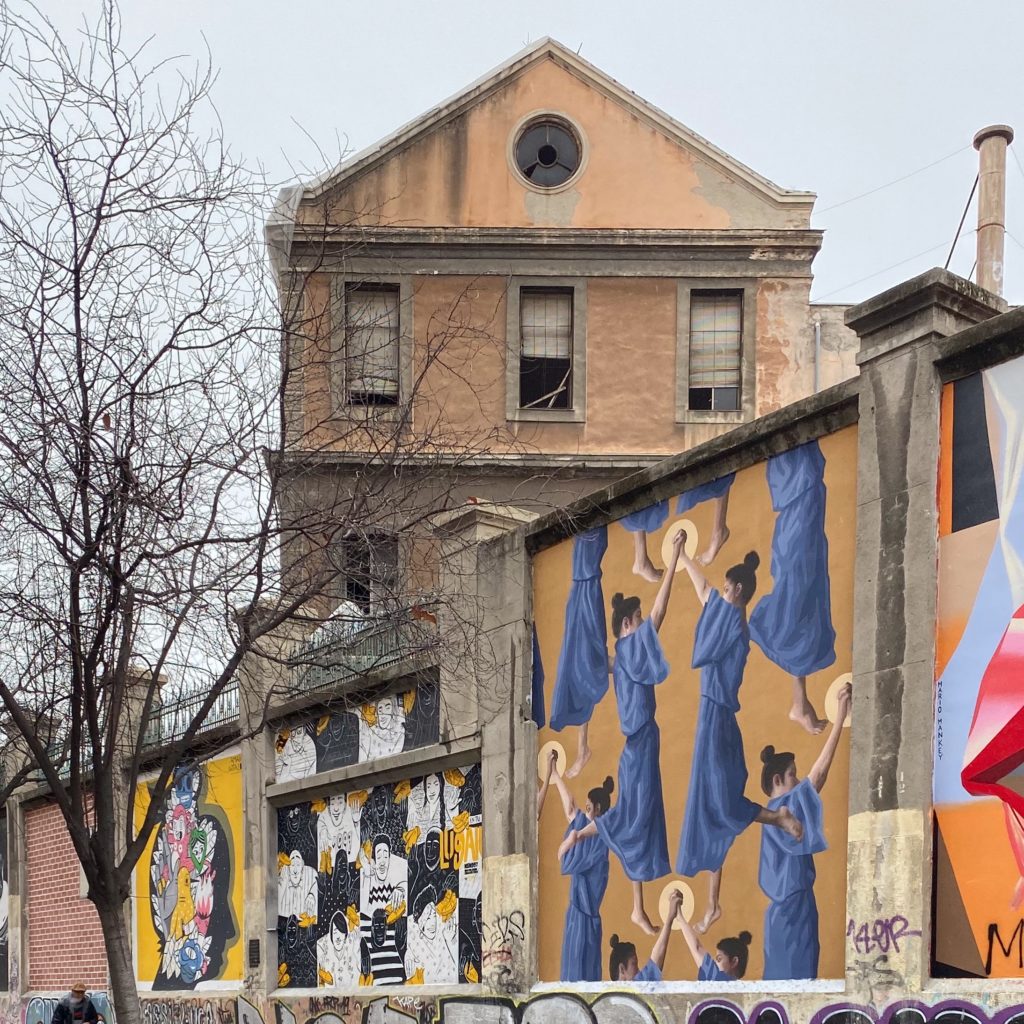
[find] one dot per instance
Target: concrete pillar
(991, 143)
(894, 615)
(486, 654)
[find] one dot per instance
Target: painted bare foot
(805, 716)
(714, 546)
(643, 922)
(790, 824)
(1018, 895)
(644, 568)
(711, 915)
(579, 764)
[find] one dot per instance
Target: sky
(840, 98)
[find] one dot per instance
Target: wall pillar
(485, 671)
(890, 830)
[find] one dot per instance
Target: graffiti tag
(881, 935)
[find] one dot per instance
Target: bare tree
(158, 517)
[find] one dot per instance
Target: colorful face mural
(979, 716)
(387, 725)
(692, 682)
(188, 883)
(382, 886)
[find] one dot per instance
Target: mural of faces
(384, 726)
(190, 871)
(395, 892)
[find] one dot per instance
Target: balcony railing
(345, 650)
(173, 718)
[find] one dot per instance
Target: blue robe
(587, 865)
(716, 809)
(537, 685)
(786, 877)
(647, 519)
(582, 678)
(704, 492)
(710, 971)
(649, 972)
(793, 624)
(634, 828)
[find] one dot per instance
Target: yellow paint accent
(222, 790)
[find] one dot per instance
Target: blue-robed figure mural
(671, 720)
(582, 677)
(793, 624)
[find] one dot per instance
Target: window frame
(577, 413)
(340, 404)
(370, 542)
(747, 288)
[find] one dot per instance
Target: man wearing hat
(76, 1008)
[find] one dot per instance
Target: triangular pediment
(455, 166)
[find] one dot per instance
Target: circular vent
(547, 153)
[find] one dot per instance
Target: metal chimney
(991, 143)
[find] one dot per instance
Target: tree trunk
(124, 995)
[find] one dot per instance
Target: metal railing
(345, 650)
(173, 718)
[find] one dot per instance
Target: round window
(547, 153)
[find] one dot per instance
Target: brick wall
(65, 943)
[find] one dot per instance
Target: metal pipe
(817, 354)
(991, 143)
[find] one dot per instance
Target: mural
(188, 884)
(382, 886)
(387, 725)
(4, 906)
(979, 705)
(673, 661)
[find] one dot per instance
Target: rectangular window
(370, 570)
(716, 334)
(372, 344)
(545, 353)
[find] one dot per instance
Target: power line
(892, 266)
(895, 181)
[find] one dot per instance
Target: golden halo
(690, 547)
(542, 758)
(688, 901)
(832, 698)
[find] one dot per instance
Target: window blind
(372, 341)
(716, 329)
(545, 320)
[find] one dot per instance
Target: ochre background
(222, 789)
(765, 701)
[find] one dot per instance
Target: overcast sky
(835, 97)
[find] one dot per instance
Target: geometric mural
(382, 885)
(979, 700)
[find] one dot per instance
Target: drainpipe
(817, 354)
(991, 143)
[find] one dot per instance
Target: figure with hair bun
(786, 873)
(730, 960)
(717, 810)
(623, 964)
(586, 864)
(793, 624)
(634, 829)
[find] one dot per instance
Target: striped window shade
(545, 319)
(716, 330)
(372, 343)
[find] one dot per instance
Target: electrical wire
(960, 226)
(895, 181)
(892, 266)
